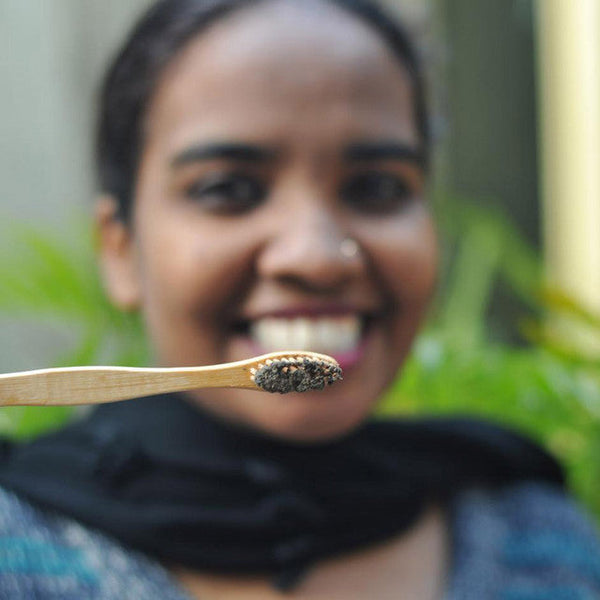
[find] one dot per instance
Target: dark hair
(156, 39)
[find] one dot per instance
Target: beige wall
(52, 55)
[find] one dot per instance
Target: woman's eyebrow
(224, 150)
(384, 150)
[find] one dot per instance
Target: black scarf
(163, 477)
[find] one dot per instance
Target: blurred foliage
(53, 277)
(547, 389)
(563, 311)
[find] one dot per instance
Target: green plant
(547, 389)
(529, 389)
(565, 312)
(53, 277)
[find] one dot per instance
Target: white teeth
(327, 334)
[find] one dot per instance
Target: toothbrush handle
(96, 385)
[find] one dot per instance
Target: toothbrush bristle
(296, 374)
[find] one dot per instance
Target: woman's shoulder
(43, 554)
(528, 540)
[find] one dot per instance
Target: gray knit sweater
(527, 542)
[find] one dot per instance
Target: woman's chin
(310, 423)
(315, 416)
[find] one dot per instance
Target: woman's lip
(348, 360)
(310, 311)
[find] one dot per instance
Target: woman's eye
(228, 194)
(377, 193)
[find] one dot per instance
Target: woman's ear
(117, 256)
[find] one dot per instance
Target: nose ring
(349, 248)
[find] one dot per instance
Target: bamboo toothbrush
(280, 372)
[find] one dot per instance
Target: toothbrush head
(296, 372)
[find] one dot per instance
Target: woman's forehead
(278, 32)
(278, 59)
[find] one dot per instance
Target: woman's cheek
(405, 255)
(204, 270)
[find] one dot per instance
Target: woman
(263, 167)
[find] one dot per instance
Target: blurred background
(515, 331)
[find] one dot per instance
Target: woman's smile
(335, 330)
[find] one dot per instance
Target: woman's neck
(412, 565)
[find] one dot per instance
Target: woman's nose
(313, 251)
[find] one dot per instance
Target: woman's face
(279, 205)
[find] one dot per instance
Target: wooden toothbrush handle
(96, 385)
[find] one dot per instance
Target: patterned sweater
(527, 542)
